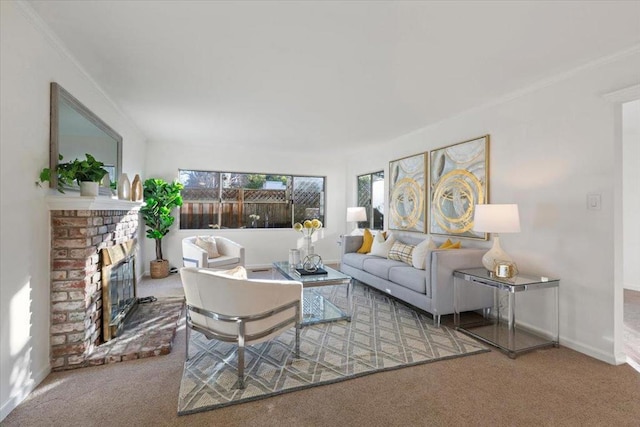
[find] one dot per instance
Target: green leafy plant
(160, 198)
(76, 170)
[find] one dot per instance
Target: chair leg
(241, 354)
(297, 330)
(188, 334)
(436, 320)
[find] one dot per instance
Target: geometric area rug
(383, 334)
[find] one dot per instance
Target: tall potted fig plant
(160, 198)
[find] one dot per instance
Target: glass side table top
(520, 282)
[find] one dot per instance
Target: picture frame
(459, 179)
(407, 193)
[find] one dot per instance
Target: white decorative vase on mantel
(89, 189)
(124, 187)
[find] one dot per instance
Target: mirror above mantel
(75, 130)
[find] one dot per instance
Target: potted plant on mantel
(160, 199)
(87, 173)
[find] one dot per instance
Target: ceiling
(330, 74)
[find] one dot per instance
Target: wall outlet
(594, 201)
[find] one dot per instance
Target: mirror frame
(59, 94)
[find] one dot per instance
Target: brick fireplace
(80, 229)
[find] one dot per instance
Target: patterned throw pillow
(401, 252)
(208, 243)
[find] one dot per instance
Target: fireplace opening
(119, 293)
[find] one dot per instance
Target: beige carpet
(551, 387)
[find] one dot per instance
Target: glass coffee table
(315, 307)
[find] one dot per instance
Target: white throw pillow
(208, 243)
(381, 247)
(238, 272)
(419, 255)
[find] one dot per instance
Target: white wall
(30, 60)
(262, 246)
(631, 193)
(550, 146)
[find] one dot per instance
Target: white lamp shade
(356, 214)
(496, 219)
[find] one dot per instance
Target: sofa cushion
(356, 260)
(409, 277)
(380, 266)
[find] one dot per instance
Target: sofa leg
(436, 320)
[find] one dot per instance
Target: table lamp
(496, 219)
(356, 214)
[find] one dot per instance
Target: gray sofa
(430, 289)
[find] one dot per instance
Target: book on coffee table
(303, 272)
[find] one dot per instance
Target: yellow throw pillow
(446, 244)
(450, 245)
(367, 241)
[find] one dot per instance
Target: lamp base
(495, 255)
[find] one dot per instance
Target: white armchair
(231, 254)
(239, 310)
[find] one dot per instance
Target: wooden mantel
(78, 203)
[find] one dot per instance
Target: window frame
(370, 223)
(220, 200)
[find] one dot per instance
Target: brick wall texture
(76, 289)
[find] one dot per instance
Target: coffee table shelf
(316, 308)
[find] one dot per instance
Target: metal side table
(493, 328)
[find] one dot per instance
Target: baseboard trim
(13, 401)
(591, 351)
(631, 287)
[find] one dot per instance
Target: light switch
(594, 201)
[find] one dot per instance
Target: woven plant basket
(159, 269)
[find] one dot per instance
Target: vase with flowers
(254, 220)
(307, 228)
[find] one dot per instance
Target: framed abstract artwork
(407, 193)
(459, 180)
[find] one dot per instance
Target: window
(249, 200)
(371, 196)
